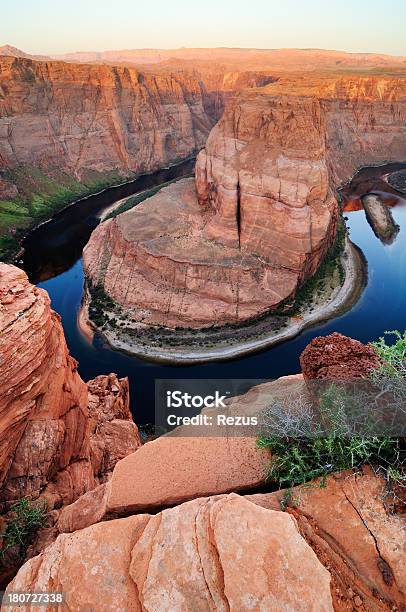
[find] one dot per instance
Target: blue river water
(381, 307)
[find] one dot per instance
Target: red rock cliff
(83, 120)
(56, 439)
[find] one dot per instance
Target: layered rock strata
(262, 212)
(85, 121)
(57, 440)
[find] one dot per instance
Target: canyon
(261, 214)
(189, 520)
(79, 121)
(67, 129)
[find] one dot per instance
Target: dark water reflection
(381, 307)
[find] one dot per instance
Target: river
(53, 261)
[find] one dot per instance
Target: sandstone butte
(81, 121)
(262, 211)
(58, 436)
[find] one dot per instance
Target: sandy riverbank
(341, 300)
(85, 326)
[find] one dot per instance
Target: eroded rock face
(84, 121)
(337, 357)
(159, 265)
(208, 554)
(43, 401)
(263, 213)
(113, 435)
(56, 440)
(353, 532)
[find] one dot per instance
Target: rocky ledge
(335, 548)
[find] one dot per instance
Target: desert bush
(26, 519)
(341, 425)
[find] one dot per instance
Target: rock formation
(186, 463)
(336, 547)
(397, 180)
(68, 121)
(336, 357)
(58, 437)
(351, 527)
(208, 554)
(380, 218)
(262, 213)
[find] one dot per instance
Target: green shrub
(393, 356)
(346, 427)
(300, 460)
(23, 525)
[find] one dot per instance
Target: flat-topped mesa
(262, 213)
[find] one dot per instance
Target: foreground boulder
(337, 357)
(166, 472)
(185, 464)
(208, 554)
(233, 553)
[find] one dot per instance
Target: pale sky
(58, 26)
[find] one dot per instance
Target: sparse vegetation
(40, 197)
(346, 427)
(316, 284)
(393, 356)
(26, 519)
(100, 303)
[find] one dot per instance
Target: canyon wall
(58, 436)
(83, 121)
(263, 210)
